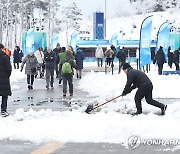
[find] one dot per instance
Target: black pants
(99, 62)
(160, 68)
(30, 79)
(69, 79)
(4, 103)
(177, 66)
(108, 61)
(56, 69)
(146, 91)
(120, 65)
(15, 65)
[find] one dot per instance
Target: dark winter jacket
(70, 58)
(160, 57)
(16, 56)
(79, 57)
(56, 52)
(176, 56)
(135, 79)
(5, 73)
(49, 59)
(121, 55)
(31, 62)
(170, 58)
(113, 49)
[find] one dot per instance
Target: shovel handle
(106, 102)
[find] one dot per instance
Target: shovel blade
(89, 108)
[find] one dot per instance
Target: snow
(109, 123)
(106, 125)
(124, 25)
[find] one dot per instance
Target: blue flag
(73, 41)
(55, 41)
(163, 37)
(29, 41)
(114, 39)
(145, 42)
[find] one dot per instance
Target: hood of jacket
(69, 55)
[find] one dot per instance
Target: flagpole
(105, 21)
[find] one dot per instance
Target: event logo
(134, 142)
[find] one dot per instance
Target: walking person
(170, 57)
(79, 57)
(56, 51)
(99, 54)
(49, 59)
(16, 57)
(160, 59)
(40, 58)
(5, 73)
(121, 57)
(31, 68)
(108, 55)
(70, 48)
(59, 58)
(176, 58)
(113, 55)
(66, 65)
(138, 79)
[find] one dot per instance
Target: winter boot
(64, 94)
(163, 110)
(47, 86)
(29, 86)
(137, 113)
(4, 113)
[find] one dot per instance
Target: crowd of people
(120, 53)
(61, 60)
(42, 64)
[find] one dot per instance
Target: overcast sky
(89, 6)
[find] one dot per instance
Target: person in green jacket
(59, 58)
(68, 61)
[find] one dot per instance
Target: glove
(123, 93)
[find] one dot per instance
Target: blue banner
(73, 41)
(163, 37)
(29, 41)
(145, 42)
(114, 39)
(55, 40)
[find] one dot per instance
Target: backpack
(66, 68)
(107, 54)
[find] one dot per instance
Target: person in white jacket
(99, 55)
(40, 58)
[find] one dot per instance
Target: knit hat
(125, 66)
(58, 44)
(1, 46)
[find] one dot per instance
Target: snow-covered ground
(109, 124)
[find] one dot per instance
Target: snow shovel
(91, 108)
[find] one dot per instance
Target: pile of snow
(109, 124)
